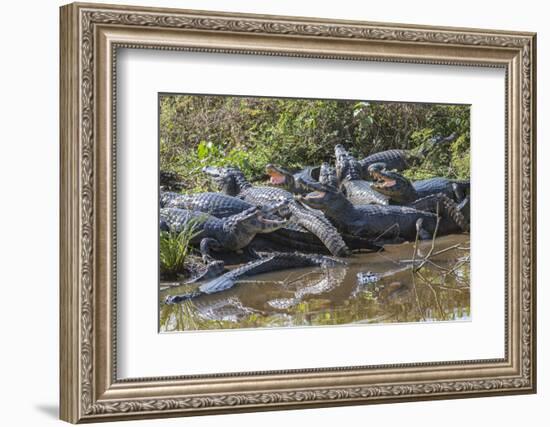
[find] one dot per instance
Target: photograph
(291, 212)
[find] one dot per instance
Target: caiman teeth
(382, 181)
(272, 221)
(315, 195)
(376, 175)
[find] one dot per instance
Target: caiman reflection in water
(395, 285)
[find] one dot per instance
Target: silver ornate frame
(90, 36)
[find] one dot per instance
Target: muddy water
(373, 288)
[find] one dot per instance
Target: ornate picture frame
(90, 37)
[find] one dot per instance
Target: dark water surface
(390, 292)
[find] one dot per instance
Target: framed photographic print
(266, 212)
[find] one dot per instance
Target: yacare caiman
(403, 159)
(375, 221)
(232, 182)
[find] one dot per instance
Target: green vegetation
(196, 131)
(174, 249)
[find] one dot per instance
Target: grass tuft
(175, 247)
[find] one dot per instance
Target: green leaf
(202, 150)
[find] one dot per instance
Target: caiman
(374, 221)
(401, 190)
(291, 181)
(232, 182)
(271, 262)
(403, 159)
(216, 204)
(292, 236)
(214, 234)
(282, 177)
(348, 174)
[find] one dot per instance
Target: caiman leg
(214, 268)
(321, 227)
(250, 252)
(421, 232)
(206, 245)
(444, 207)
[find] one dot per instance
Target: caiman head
(254, 220)
(280, 177)
(284, 178)
(325, 198)
(229, 180)
(392, 184)
(426, 147)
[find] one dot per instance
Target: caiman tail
(319, 225)
(446, 208)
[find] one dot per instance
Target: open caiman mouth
(250, 215)
(382, 181)
(315, 195)
(275, 177)
(271, 222)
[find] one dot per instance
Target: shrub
(250, 132)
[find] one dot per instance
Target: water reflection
(373, 288)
